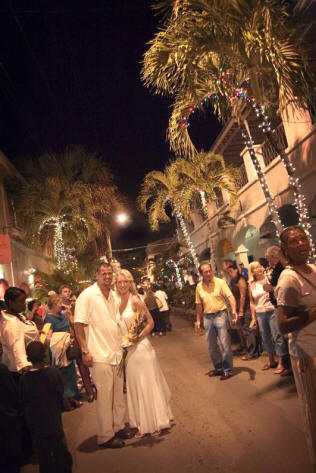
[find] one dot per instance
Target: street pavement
(249, 423)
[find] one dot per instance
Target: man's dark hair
(284, 234)
(13, 293)
(64, 286)
(204, 263)
(30, 305)
(233, 265)
(35, 352)
(103, 265)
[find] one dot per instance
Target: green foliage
(252, 41)
(76, 280)
(73, 189)
(157, 190)
(183, 297)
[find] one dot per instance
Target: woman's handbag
(73, 352)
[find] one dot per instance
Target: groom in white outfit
(97, 329)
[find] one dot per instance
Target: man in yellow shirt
(211, 302)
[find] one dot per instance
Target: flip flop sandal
(139, 435)
(267, 366)
(279, 371)
(156, 434)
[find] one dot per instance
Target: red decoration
(5, 249)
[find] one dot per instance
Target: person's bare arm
(140, 306)
(252, 308)
(268, 287)
(199, 313)
(242, 285)
(81, 338)
(290, 318)
(232, 302)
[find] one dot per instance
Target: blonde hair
(53, 299)
(251, 268)
(129, 277)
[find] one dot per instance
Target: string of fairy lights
(299, 200)
(249, 143)
(65, 259)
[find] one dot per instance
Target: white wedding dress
(148, 394)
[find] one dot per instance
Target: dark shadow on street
(287, 385)
(90, 445)
(245, 369)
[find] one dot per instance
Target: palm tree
(231, 52)
(54, 216)
(206, 175)
(158, 191)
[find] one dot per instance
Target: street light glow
(122, 218)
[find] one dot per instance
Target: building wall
(24, 260)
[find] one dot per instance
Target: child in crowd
(41, 391)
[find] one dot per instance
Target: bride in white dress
(148, 394)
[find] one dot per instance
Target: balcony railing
(243, 176)
(268, 152)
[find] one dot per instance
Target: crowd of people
(51, 351)
(246, 300)
(54, 351)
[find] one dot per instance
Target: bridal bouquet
(135, 329)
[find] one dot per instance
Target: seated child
(41, 392)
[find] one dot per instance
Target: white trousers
(110, 403)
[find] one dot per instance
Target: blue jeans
(272, 339)
(216, 326)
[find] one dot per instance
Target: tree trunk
(59, 249)
(187, 239)
(205, 213)
(262, 178)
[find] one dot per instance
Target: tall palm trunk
(59, 249)
(205, 213)
(262, 178)
(177, 271)
(185, 232)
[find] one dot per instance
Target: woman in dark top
(59, 323)
(32, 307)
(247, 330)
(152, 302)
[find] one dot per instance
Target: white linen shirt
(162, 296)
(102, 318)
(15, 335)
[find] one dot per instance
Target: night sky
(70, 75)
